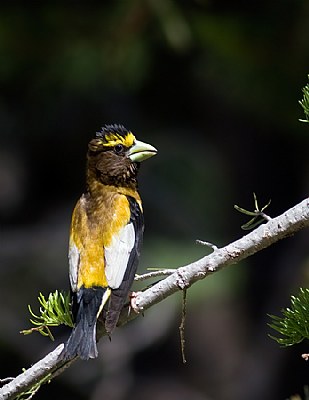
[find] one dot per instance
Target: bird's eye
(118, 148)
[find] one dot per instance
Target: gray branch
(278, 228)
(265, 235)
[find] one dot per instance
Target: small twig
(208, 244)
(182, 326)
(41, 329)
(161, 272)
(265, 216)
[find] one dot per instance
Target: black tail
(82, 342)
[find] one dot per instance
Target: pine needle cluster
(304, 102)
(293, 325)
(54, 311)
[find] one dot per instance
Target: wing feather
(119, 295)
(117, 255)
(74, 258)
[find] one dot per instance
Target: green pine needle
(293, 326)
(258, 215)
(54, 311)
(30, 393)
(305, 103)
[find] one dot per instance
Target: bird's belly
(91, 270)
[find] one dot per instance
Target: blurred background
(214, 85)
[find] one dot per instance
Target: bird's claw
(133, 306)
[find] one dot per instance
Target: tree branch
(182, 278)
(278, 228)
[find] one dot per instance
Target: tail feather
(82, 341)
(117, 300)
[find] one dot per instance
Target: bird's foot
(133, 306)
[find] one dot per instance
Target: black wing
(119, 295)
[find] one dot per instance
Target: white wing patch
(74, 266)
(117, 255)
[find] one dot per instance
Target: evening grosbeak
(106, 236)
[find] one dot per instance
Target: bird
(106, 236)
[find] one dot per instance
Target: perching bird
(106, 235)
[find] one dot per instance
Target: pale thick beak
(140, 151)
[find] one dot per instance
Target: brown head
(114, 156)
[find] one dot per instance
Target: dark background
(213, 85)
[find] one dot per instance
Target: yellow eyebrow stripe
(113, 139)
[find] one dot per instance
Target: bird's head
(114, 156)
